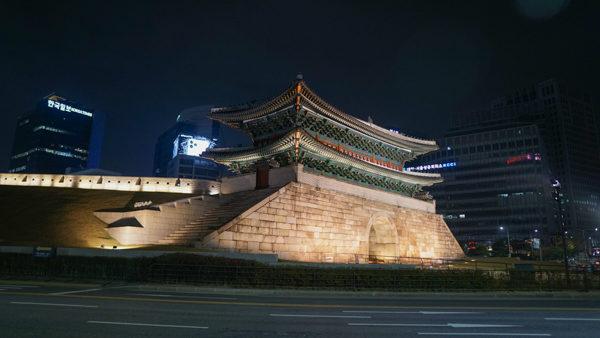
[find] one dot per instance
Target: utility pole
(556, 186)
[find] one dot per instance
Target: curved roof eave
(228, 155)
(234, 116)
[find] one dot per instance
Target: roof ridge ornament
(298, 90)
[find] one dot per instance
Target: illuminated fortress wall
(122, 183)
(304, 222)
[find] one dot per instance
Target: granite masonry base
(302, 222)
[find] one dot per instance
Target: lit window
(50, 151)
(54, 130)
(191, 145)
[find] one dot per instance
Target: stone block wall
(302, 222)
(156, 224)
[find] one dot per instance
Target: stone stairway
(218, 210)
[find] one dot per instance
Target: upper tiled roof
(299, 95)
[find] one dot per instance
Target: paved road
(62, 310)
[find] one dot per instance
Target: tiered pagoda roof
(298, 126)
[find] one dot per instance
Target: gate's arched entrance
(383, 240)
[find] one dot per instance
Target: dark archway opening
(382, 241)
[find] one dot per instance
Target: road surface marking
(123, 286)
(482, 334)
(581, 319)
(421, 312)
(459, 325)
(180, 296)
(316, 316)
(54, 304)
(448, 312)
(396, 324)
(75, 291)
(453, 325)
(147, 324)
(361, 311)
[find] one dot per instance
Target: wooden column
(262, 175)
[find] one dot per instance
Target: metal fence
(185, 269)
(369, 279)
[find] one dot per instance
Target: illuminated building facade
(178, 150)
(190, 166)
(57, 136)
(494, 175)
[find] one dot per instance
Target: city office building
(178, 150)
(495, 175)
(188, 166)
(569, 129)
(57, 136)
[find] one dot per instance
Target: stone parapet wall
(278, 177)
(122, 183)
(302, 222)
(233, 184)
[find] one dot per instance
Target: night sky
(409, 64)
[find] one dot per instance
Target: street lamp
(561, 224)
(508, 238)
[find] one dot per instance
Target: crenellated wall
(123, 183)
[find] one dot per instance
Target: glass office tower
(56, 137)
